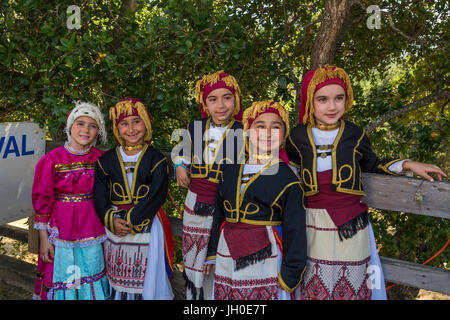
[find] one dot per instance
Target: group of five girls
(270, 213)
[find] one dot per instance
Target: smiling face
(132, 130)
(329, 104)
(83, 132)
(220, 104)
(266, 134)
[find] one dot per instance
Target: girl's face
(132, 130)
(83, 132)
(266, 134)
(220, 104)
(329, 104)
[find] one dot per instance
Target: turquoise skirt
(79, 274)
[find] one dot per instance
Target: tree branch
(433, 97)
(393, 27)
(404, 35)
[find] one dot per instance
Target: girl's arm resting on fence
(423, 169)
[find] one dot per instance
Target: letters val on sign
(22, 144)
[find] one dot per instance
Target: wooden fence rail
(402, 194)
(398, 193)
(414, 196)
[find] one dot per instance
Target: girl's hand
(183, 178)
(422, 169)
(46, 250)
(207, 268)
(121, 228)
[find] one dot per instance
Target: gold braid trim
(127, 108)
(213, 78)
(259, 107)
(137, 227)
(320, 75)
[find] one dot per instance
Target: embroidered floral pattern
(194, 245)
(255, 289)
(335, 280)
(126, 264)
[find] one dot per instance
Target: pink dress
(62, 197)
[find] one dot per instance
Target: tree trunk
(325, 43)
(129, 5)
(324, 49)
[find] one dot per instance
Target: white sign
(22, 144)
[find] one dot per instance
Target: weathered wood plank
(17, 273)
(416, 275)
(401, 193)
(13, 232)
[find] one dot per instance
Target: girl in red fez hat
(258, 239)
(131, 184)
(200, 167)
(332, 153)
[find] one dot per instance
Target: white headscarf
(89, 110)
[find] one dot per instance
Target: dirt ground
(12, 293)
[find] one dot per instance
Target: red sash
(205, 190)
(341, 207)
(245, 239)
